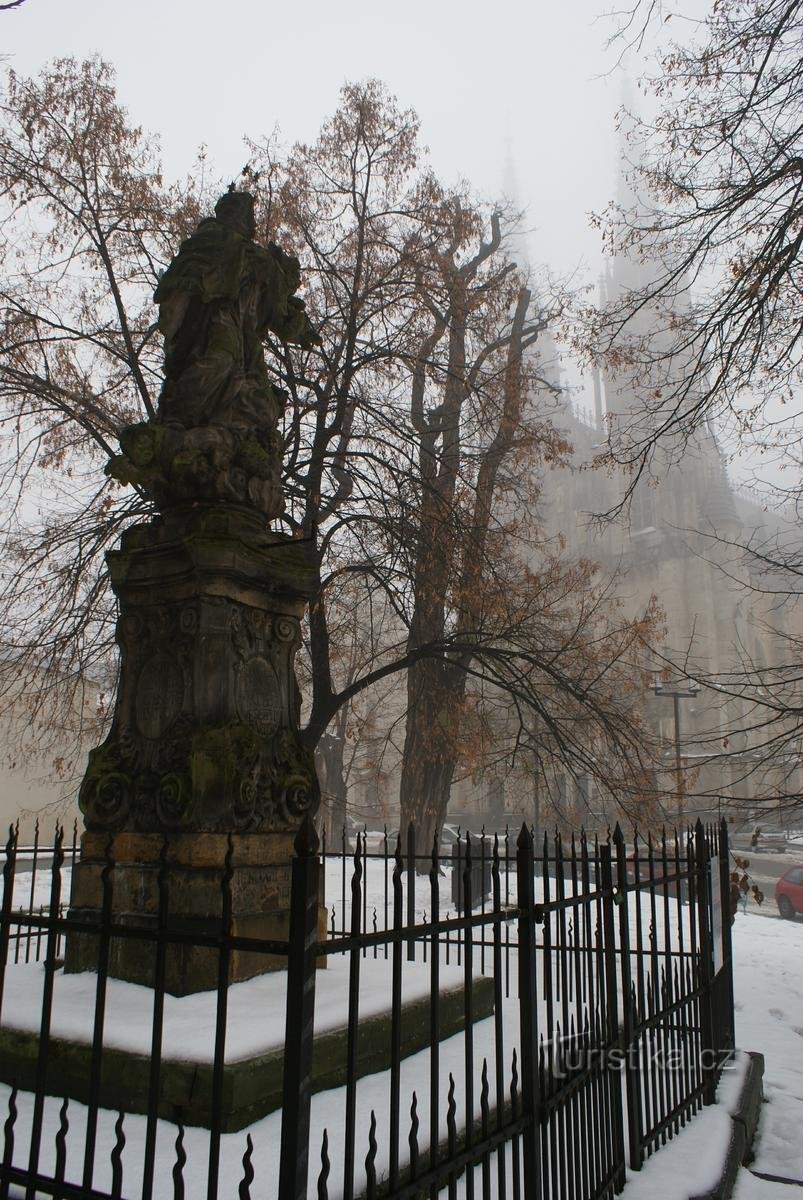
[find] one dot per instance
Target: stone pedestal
(204, 743)
(194, 865)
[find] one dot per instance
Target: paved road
(765, 870)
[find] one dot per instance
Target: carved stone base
(194, 866)
(204, 745)
(205, 730)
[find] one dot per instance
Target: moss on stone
(254, 459)
(217, 757)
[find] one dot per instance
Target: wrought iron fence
(513, 1019)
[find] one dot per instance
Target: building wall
(44, 742)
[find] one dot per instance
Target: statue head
(236, 210)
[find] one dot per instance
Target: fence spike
(228, 869)
(514, 1085)
(435, 867)
(8, 1128)
(559, 1051)
(179, 1164)
(244, 1190)
(306, 840)
(356, 875)
(451, 1110)
(370, 1160)
(323, 1175)
(61, 1143)
(117, 1157)
(413, 1137)
(484, 1105)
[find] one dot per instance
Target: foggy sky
(531, 75)
(529, 80)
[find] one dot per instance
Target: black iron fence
(497, 1018)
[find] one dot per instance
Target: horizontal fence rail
(517, 1018)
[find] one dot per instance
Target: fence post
(9, 870)
(528, 1009)
(611, 998)
(631, 1048)
(301, 953)
(410, 890)
(727, 919)
(706, 964)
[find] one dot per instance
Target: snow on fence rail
(546, 1015)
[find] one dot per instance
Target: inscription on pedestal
(160, 692)
(259, 696)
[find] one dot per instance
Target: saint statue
(218, 299)
(215, 435)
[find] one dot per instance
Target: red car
(789, 892)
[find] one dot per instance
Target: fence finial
(525, 838)
(306, 841)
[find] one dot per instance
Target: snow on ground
(769, 1016)
(256, 1008)
(768, 985)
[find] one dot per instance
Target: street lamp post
(677, 694)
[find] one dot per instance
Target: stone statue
(205, 732)
(204, 747)
(215, 436)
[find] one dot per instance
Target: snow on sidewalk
(768, 985)
(769, 1018)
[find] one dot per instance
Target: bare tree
(86, 226)
(752, 741)
(409, 430)
(708, 335)
(711, 329)
(406, 296)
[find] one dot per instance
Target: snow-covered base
(327, 1112)
(768, 984)
(256, 1009)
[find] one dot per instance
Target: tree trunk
(434, 700)
(329, 765)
